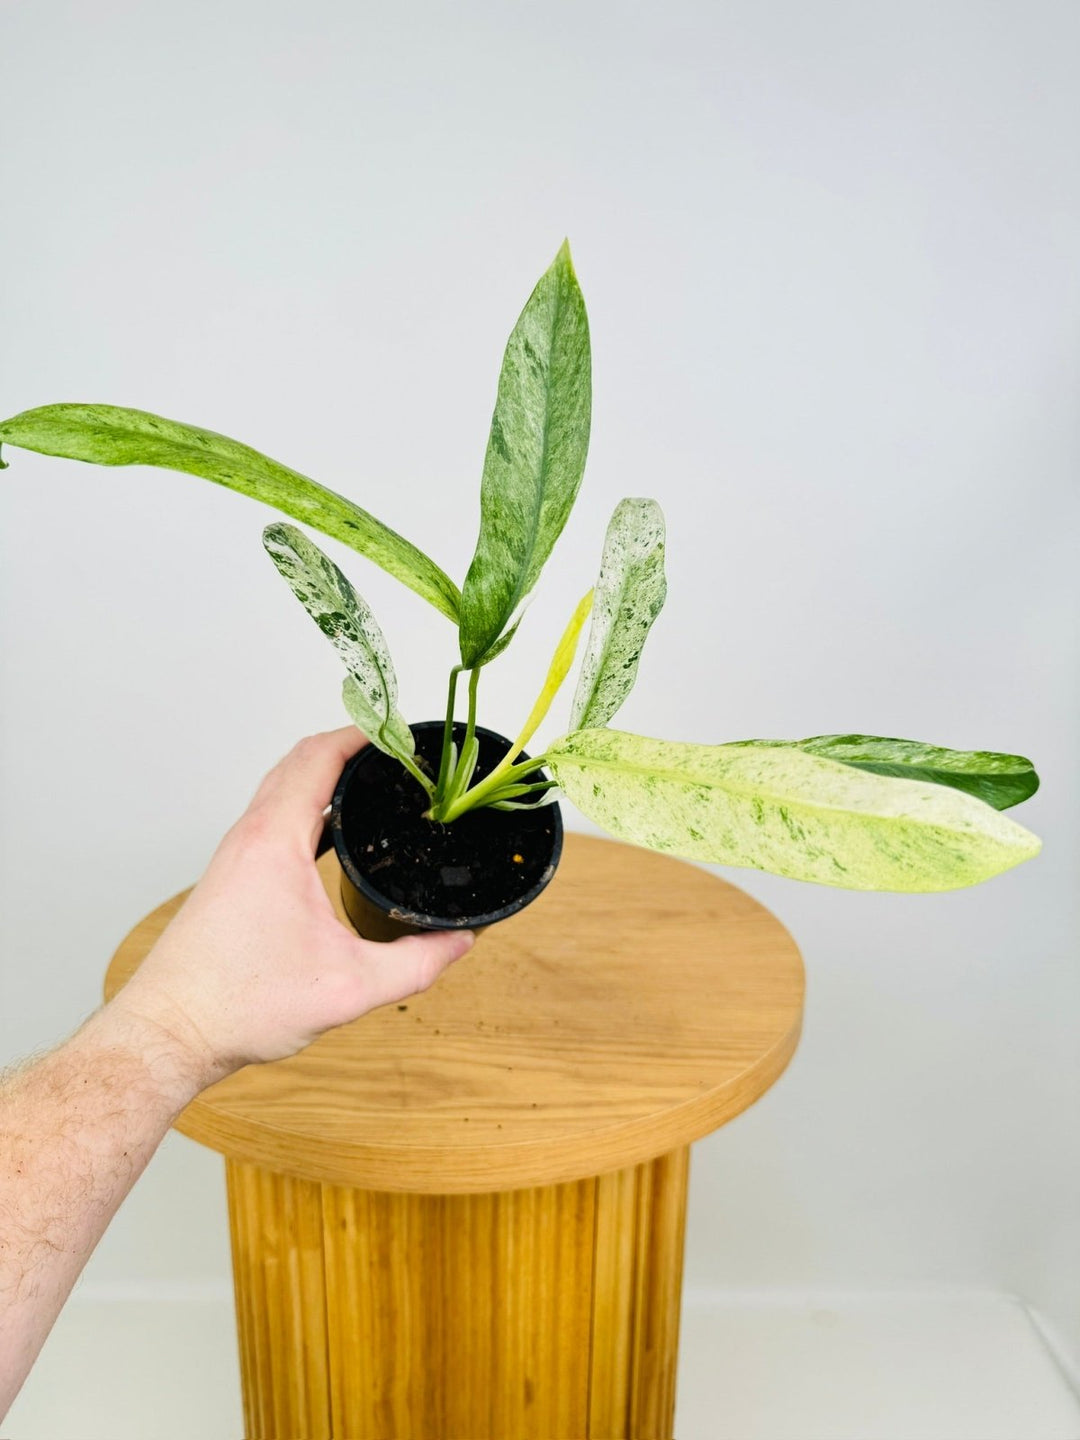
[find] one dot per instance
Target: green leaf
(787, 811)
(346, 620)
(535, 456)
(629, 595)
(109, 435)
(500, 645)
(1000, 780)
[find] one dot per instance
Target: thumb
(400, 968)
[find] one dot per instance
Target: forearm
(254, 966)
(77, 1128)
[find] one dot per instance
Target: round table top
(638, 1004)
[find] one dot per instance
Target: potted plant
(444, 823)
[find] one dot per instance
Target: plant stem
(474, 680)
(514, 792)
(448, 732)
(415, 771)
(503, 774)
(479, 793)
(560, 664)
(522, 767)
(466, 760)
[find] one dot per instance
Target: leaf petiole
(560, 664)
(415, 771)
(446, 760)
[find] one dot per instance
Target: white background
(830, 254)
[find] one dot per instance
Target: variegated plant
(851, 810)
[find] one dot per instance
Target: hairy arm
(76, 1130)
(253, 968)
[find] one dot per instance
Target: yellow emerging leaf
(560, 664)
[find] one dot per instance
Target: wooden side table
(461, 1218)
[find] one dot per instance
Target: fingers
(404, 967)
(298, 789)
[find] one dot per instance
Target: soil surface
(473, 867)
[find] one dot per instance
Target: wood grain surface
(639, 1003)
(541, 1314)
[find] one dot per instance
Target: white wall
(830, 255)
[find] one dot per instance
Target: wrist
(160, 1041)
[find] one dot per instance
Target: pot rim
(419, 919)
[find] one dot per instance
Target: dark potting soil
(475, 866)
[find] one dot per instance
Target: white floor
(122, 1366)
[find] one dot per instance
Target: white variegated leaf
(786, 811)
(346, 620)
(629, 595)
(394, 736)
(1000, 780)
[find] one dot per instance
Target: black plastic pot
(402, 874)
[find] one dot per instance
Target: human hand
(256, 964)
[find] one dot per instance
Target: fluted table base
(541, 1314)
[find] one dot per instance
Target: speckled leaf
(503, 641)
(1000, 780)
(110, 435)
(535, 456)
(394, 737)
(629, 595)
(346, 620)
(786, 811)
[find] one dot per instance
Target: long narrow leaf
(629, 595)
(346, 620)
(557, 672)
(535, 455)
(786, 811)
(110, 435)
(1000, 780)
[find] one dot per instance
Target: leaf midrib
(253, 464)
(255, 467)
(538, 503)
(612, 628)
(744, 790)
(928, 757)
